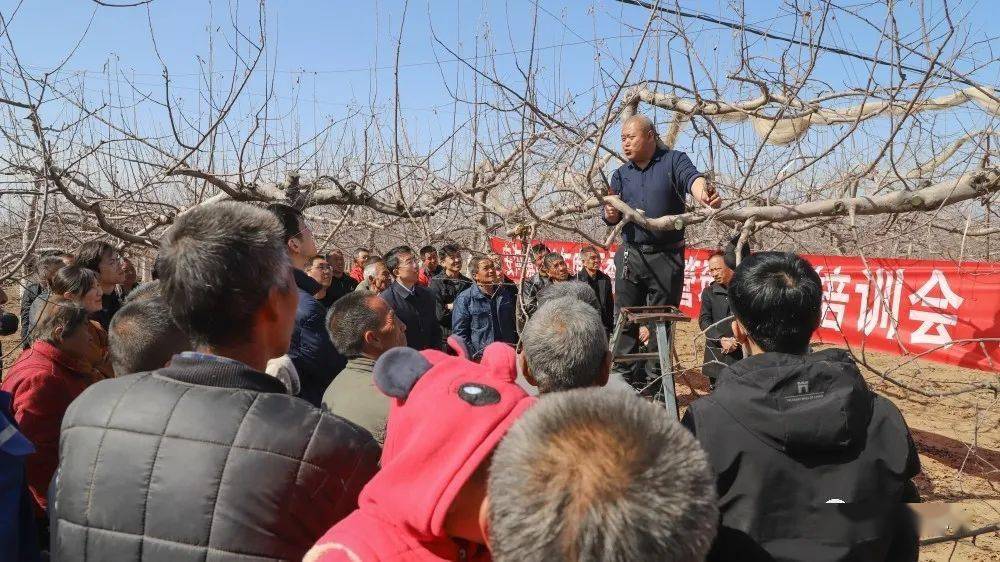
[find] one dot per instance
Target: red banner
(941, 310)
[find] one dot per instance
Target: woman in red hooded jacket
(43, 381)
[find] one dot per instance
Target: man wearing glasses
(413, 304)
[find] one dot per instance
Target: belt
(654, 248)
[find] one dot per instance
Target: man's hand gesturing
(705, 193)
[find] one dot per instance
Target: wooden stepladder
(659, 317)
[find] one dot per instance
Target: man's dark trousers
(645, 276)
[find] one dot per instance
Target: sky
(329, 57)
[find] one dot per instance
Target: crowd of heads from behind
(264, 398)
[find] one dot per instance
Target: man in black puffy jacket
(315, 358)
(810, 464)
(208, 458)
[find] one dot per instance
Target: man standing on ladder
(649, 265)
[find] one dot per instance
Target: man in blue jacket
(315, 358)
(649, 264)
(18, 540)
(484, 313)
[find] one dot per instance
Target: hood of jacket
(439, 431)
(799, 404)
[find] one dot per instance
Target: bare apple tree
(897, 160)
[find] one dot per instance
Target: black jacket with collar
(445, 290)
(204, 459)
(810, 464)
(601, 284)
(714, 309)
(339, 287)
(529, 297)
(418, 311)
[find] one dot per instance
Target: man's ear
(605, 372)
(741, 335)
(57, 335)
(271, 310)
(522, 365)
(484, 519)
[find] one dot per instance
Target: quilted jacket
(205, 460)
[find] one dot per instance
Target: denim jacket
(479, 320)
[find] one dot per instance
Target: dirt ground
(945, 430)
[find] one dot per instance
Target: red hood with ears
(447, 416)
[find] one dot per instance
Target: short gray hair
(348, 320)
(218, 263)
(576, 289)
(371, 267)
(145, 291)
(595, 475)
(565, 345)
(47, 267)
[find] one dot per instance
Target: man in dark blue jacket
(649, 265)
(484, 313)
(414, 305)
(315, 358)
(18, 540)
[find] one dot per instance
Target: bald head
(638, 139)
(641, 121)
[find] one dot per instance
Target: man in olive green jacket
(362, 327)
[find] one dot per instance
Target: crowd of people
(255, 401)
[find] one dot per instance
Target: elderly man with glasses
(414, 305)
